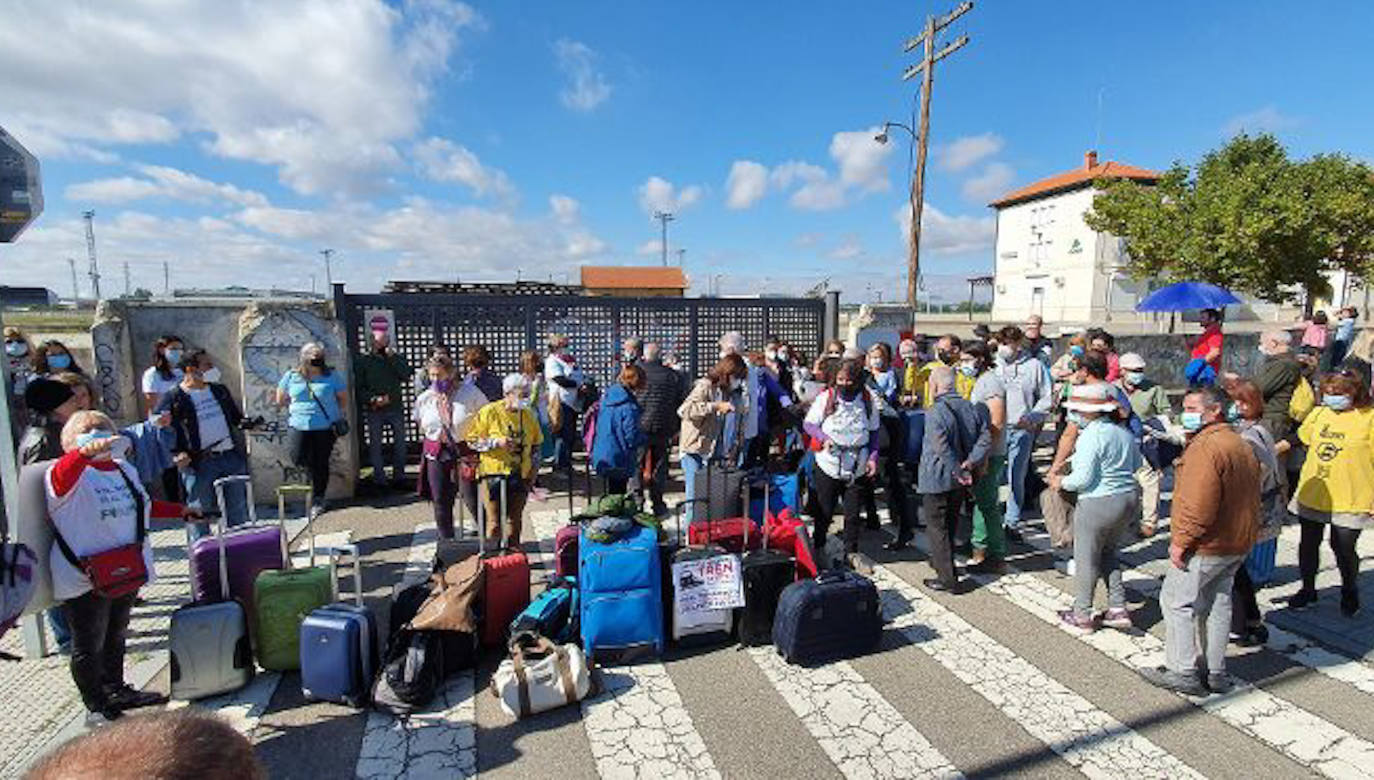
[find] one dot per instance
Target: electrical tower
(76, 288)
(664, 217)
(94, 271)
(328, 270)
(926, 69)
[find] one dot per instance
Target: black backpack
(411, 672)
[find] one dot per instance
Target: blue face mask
(968, 369)
(173, 356)
(1076, 350)
(1192, 421)
(1337, 403)
(59, 362)
(1135, 378)
(92, 436)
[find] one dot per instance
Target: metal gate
(688, 328)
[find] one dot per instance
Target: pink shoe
(1077, 623)
(1118, 618)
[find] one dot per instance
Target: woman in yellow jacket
(506, 433)
(1336, 487)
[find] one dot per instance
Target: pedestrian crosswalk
(862, 719)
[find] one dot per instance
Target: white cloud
(328, 116)
(942, 233)
(746, 184)
(443, 160)
(967, 151)
(162, 182)
(658, 194)
(652, 248)
(848, 249)
(587, 87)
(862, 160)
(565, 209)
(808, 240)
(1262, 120)
(816, 190)
(994, 181)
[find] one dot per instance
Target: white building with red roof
(1049, 262)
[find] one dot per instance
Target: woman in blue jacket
(615, 446)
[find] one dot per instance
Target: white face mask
(211, 374)
(1006, 353)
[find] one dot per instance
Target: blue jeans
(691, 464)
(1020, 444)
(199, 482)
(61, 631)
(377, 420)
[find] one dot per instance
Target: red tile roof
(632, 277)
(1076, 178)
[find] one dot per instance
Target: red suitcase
(736, 534)
(787, 533)
(506, 587)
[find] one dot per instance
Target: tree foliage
(1248, 219)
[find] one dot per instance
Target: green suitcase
(281, 600)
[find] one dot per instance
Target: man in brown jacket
(1214, 522)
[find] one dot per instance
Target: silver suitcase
(208, 643)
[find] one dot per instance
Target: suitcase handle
(247, 482)
(338, 551)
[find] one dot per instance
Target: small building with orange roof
(634, 281)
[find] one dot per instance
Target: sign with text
(381, 320)
(707, 584)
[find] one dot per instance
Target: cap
(45, 395)
(1132, 362)
(1091, 398)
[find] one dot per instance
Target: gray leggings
(1098, 525)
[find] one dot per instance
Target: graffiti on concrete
(108, 381)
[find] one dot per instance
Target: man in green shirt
(379, 375)
(1147, 400)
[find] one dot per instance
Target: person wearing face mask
(883, 384)
(1029, 397)
(989, 398)
(1244, 412)
(444, 413)
(1214, 523)
(565, 403)
(163, 374)
(764, 393)
(315, 395)
(1336, 486)
(478, 363)
(53, 357)
(209, 445)
(506, 433)
(843, 424)
(910, 397)
(98, 512)
(17, 354)
(631, 351)
(1102, 476)
(1343, 337)
(711, 421)
(947, 350)
(956, 444)
(618, 438)
(776, 356)
(1149, 402)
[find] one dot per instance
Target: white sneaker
(1069, 568)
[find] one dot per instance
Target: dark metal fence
(688, 328)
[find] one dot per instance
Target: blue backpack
(553, 614)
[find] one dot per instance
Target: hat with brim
(1091, 398)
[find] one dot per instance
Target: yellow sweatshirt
(1337, 481)
(916, 379)
(496, 421)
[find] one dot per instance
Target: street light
(882, 137)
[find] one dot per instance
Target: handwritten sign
(708, 584)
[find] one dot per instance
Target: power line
(664, 217)
(926, 69)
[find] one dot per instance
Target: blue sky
(433, 139)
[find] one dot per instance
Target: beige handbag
(540, 676)
(449, 608)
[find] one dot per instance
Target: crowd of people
(1238, 448)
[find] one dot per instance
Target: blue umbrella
(1182, 296)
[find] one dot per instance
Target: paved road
(980, 684)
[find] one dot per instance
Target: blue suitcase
(783, 492)
(339, 648)
(622, 596)
(1259, 564)
(835, 616)
(914, 423)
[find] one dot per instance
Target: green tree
(1248, 219)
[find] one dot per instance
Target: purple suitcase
(565, 549)
(250, 549)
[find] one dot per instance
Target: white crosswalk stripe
(637, 725)
(441, 740)
(1096, 743)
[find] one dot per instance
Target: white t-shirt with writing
(154, 383)
(848, 425)
(99, 514)
(214, 429)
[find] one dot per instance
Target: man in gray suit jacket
(957, 441)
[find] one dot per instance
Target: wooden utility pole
(926, 69)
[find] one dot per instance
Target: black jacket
(660, 398)
(186, 423)
(42, 441)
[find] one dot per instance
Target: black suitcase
(766, 574)
(721, 485)
(834, 616)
